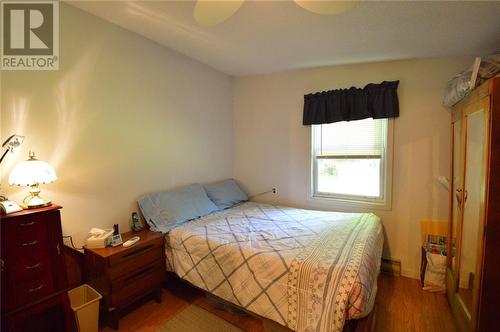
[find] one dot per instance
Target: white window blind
(349, 160)
(363, 138)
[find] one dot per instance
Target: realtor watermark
(30, 35)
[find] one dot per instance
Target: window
(350, 162)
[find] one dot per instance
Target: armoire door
(456, 188)
(476, 118)
(470, 144)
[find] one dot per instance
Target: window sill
(351, 204)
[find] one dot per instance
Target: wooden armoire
(473, 266)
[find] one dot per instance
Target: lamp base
(33, 202)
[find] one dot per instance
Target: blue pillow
(166, 210)
(225, 194)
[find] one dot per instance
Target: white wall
(123, 116)
(272, 148)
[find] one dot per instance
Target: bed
(304, 269)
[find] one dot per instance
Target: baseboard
(391, 266)
(410, 274)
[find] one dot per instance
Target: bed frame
(366, 324)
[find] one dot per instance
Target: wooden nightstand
(124, 275)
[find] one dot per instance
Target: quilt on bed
(307, 270)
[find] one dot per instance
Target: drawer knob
(24, 224)
(33, 266)
(36, 289)
(32, 243)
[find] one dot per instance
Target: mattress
(307, 270)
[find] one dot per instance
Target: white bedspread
(307, 270)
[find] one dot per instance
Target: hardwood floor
(401, 305)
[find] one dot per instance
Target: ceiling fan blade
(326, 7)
(209, 13)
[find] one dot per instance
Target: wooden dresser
(33, 275)
(124, 275)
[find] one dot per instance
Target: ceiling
(269, 36)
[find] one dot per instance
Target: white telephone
(99, 238)
(9, 207)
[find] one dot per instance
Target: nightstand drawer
(136, 252)
(137, 284)
(144, 258)
(134, 276)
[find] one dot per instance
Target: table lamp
(10, 144)
(31, 173)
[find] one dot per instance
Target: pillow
(166, 210)
(225, 194)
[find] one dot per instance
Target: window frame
(383, 202)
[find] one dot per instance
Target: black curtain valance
(373, 101)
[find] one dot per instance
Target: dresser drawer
(26, 238)
(30, 291)
(26, 226)
(143, 258)
(137, 284)
(30, 268)
(137, 252)
(26, 251)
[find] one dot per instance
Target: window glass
(349, 159)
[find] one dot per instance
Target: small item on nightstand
(116, 238)
(135, 223)
(99, 238)
(9, 207)
(131, 242)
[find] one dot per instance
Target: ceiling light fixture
(326, 7)
(209, 13)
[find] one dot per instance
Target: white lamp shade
(32, 172)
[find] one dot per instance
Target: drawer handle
(33, 266)
(27, 223)
(139, 274)
(138, 252)
(36, 289)
(32, 243)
